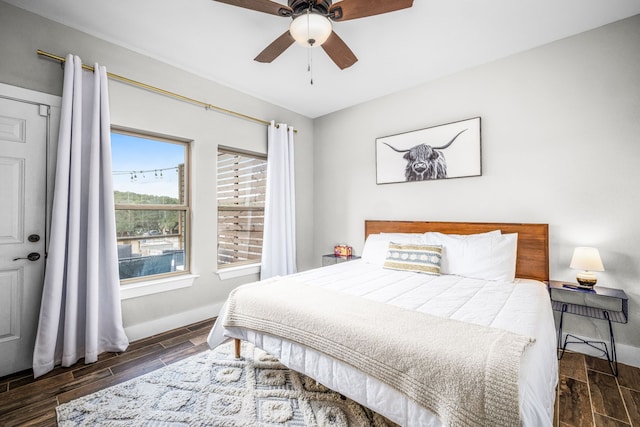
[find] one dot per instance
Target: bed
(404, 372)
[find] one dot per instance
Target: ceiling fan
(311, 24)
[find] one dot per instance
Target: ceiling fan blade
(276, 48)
(352, 9)
(266, 6)
(339, 52)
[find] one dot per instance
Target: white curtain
(80, 313)
(279, 240)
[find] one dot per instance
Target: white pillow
(434, 237)
(489, 256)
(412, 238)
(376, 247)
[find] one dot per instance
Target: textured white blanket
(466, 374)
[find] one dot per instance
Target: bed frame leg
(236, 341)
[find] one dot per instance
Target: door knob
(33, 256)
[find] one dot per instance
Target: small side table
(598, 303)
(331, 259)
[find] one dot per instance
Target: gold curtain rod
(183, 98)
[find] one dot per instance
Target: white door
(24, 128)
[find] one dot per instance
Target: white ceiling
(396, 51)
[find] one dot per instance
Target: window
(151, 192)
(241, 193)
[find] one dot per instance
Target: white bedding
(522, 307)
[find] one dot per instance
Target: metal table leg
(612, 357)
(613, 360)
(560, 346)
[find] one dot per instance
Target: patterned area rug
(214, 389)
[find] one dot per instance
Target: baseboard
(627, 354)
(173, 321)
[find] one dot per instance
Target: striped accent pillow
(410, 257)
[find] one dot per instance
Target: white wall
(560, 145)
(22, 33)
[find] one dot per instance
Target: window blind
(241, 186)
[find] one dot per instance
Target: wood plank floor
(28, 402)
(588, 395)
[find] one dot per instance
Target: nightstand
(331, 259)
(598, 303)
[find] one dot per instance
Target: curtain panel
(279, 239)
(80, 313)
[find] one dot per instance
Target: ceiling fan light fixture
(310, 29)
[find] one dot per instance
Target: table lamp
(587, 260)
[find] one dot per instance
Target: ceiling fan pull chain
(310, 64)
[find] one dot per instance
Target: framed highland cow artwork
(452, 150)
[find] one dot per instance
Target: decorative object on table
(342, 250)
(446, 151)
(214, 388)
(597, 302)
(588, 260)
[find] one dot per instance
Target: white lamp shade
(586, 259)
(310, 29)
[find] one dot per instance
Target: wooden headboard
(533, 239)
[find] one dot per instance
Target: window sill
(139, 289)
(241, 270)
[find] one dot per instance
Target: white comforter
(522, 307)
